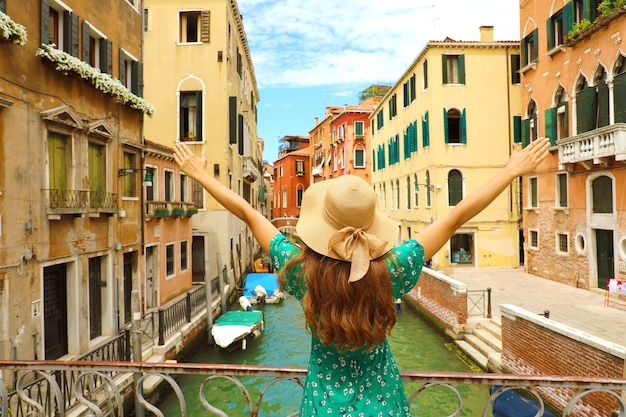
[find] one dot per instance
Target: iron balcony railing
(47, 399)
(69, 200)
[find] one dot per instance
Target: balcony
(317, 170)
(250, 169)
(596, 147)
(77, 202)
(169, 208)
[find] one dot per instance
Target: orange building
(573, 73)
(291, 176)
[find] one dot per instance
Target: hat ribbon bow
(358, 247)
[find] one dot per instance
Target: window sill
(528, 67)
(535, 209)
(555, 50)
(563, 209)
(533, 248)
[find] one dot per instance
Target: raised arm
(262, 229)
(438, 233)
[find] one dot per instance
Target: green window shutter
(586, 110)
(550, 115)
(524, 52)
(137, 74)
(122, 66)
(373, 161)
(444, 68)
(455, 187)
(3, 6)
(199, 135)
(462, 69)
(425, 70)
(67, 32)
(106, 56)
(97, 174)
(232, 119)
(603, 104)
(535, 45)
(550, 32)
(445, 126)
(181, 117)
(464, 127)
(240, 138)
(44, 22)
(426, 131)
(57, 156)
(525, 132)
(86, 52)
(515, 67)
(517, 129)
(619, 97)
(407, 150)
(568, 17)
(565, 120)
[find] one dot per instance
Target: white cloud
(302, 43)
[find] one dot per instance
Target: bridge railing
(576, 393)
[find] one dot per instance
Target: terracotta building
(573, 74)
(71, 113)
(291, 178)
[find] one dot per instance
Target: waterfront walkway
(581, 309)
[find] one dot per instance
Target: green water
(284, 342)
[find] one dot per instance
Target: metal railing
(479, 303)
(81, 199)
(574, 393)
(175, 315)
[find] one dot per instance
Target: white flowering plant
(70, 65)
(13, 32)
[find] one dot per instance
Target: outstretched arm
(262, 229)
(437, 234)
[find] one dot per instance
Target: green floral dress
(354, 383)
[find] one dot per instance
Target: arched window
(397, 194)
(619, 90)
(454, 124)
(416, 192)
(409, 193)
(427, 188)
(455, 187)
(602, 98)
(359, 156)
(602, 191)
(529, 125)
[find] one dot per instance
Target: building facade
(199, 74)
(436, 138)
(292, 171)
(573, 73)
(70, 226)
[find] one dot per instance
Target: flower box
(161, 212)
(191, 212)
(178, 212)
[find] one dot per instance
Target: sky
(309, 54)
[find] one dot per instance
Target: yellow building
(71, 114)
(445, 127)
(199, 74)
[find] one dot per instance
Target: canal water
(284, 342)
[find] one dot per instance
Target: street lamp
(147, 181)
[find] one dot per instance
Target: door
(95, 298)
(150, 277)
(604, 256)
(197, 259)
(128, 286)
(55, 311)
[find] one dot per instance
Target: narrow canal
(416, 346)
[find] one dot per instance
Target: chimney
(486, 34)
(317, 121)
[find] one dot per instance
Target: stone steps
(484, 345)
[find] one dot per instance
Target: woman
(347, 274)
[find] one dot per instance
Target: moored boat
(262, 288)
(234, 329)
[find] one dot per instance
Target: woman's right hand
(190, 163)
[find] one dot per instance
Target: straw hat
(338, 219)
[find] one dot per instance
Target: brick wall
(534, 345)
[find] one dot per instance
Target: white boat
(262, 288)
(234, 329)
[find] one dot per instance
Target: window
(197, 194)
(359, 156)
(130, 181)
(462, 248)
(533, 239)
(359, 130)
(381, 157)
(394, 150)
(409, 193)
(532, 192)
(562, 243)
(380, 119)
(94, 42)
(556, 119)
(602, 191)
(184, 188)
(455, 187)
(416, 191)
(453, 69)
(299, 168)
(410, 140)
(189, 27)
(619, 90)
(515, 67)
(425, 73)
(169, 260)
(579, 12)
(561, 190)
(409, 91)
(393, 107)
(169, 185)
(61, 27)
(284, 197)
(530, 53)
(529, 125)
(428, 191)
(131, 73)
(425, 131)
(397, 194)
(150, 189)
(59, 161)
(97, 175)
(184, 250)
(299, 194)
(454, 123)
(191, 116)
(556, 29)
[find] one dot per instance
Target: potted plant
(178, 211)
(161, 212)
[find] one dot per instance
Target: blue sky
(309, 54)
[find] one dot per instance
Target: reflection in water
(415, 345)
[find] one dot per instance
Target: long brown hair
(350, 315)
